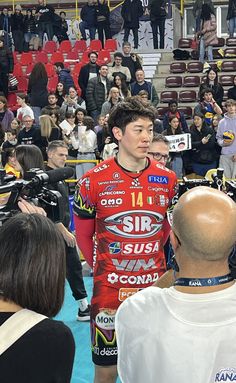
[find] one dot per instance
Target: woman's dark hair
(69, 115)
(38, 73)
(84, 111)
(63, 92)
(29, 156)
(124, 87)
(6, 154)
(32, 263)
(52, 112)
(207, 77)
(206, 12)
(89, 123)
(169, 130)
(4, 101)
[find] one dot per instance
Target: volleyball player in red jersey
(123, 202)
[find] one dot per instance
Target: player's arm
(84, 229)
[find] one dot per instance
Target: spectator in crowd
(29, 134)
(131, 11)
(25, 109)
(159, 149)
(72, 102)
(130, 60)
(197, 10)
(118, 68)
(120, 83)
(10, 139)
(67, 126)
(5, 26)
(2, 135)
(52, 104)
(113, 99)
(100, 123)
(6, 115)
(16, 124)
(142, 84)
(173, 111)
(232, 91)
(207, 33)
(29, 28)
(60, 93)
(39, 244)
(225, 136)
(55, 117)
(17, 28)
(28, 157)
(104, 135)
(45, 15)
(215, 122)
(57, 155)
(176, 158)
(158, 13)
(97, 92)
(85, 140)
(103, 20)
(87, 72)
(80, 113)
(49, 132)
(88, 20)
(207, 106)
(64, 75)
(200, 301)
(64, 26)
(37, 89)
(58, 29)
(231, 17)
(6, 66)
(8, 161)
(212, 83)
(203, 154)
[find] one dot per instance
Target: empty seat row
(230, 42)
(195, 81)
(183, 96)
(197, 66)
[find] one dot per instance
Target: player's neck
(132, 165)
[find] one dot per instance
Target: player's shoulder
(160, 169)
(98, 172)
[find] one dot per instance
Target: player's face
(136, 139)
(57, 158)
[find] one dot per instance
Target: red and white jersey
(129, 210)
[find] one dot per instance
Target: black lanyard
(201, 282)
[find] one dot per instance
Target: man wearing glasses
(29, 134)
(159, 149)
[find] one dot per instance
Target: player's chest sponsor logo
(155, 179)
(226, 375)
(111, 202)
(133, 248)
(135, 265)
(114, 278)
(134, 224)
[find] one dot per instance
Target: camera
(33, 188)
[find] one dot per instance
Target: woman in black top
(204, 155)
(60, 93)
(212, 83)
(37, 90)
(29, 25)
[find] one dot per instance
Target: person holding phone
(203, 155)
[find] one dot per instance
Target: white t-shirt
(166, 336)
(25, 111)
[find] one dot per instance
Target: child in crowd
(9, 161)
(100, 124)
(24, 110)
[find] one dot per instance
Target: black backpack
(181, 54)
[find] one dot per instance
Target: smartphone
(208, 136)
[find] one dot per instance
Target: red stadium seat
(41, 57)
(178, 67)
(161, 112)
(85, 58)
(110, 45)
(195, 67)
(26, 58)
(173, 81)
(50, 70)
(95, 45)
(167, 96)
(187, 110)
(11, 101)
(104, 57)
(15, 57)
(228, 66)
(184, 43)
(191, 81)
(52, 83)
(72, 56)
(187, 96)
(57, 57)
(29, 69)
(226, 80)
(230, 52)
(50, 46)
(17, 71)
(77, 68)
(80, 46)
(65, 46)
(220, 43)
(22, 84)
(231, 42)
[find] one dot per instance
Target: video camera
(217, 182)
(33, 188)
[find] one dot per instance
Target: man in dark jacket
(64, 75)
(88, 17)
(17, 28)
(6, 66)
(97, 92)
(45, 14)
(130, 60)
(5, 25)
(157, 9)
(131, 11)
(142, 84)
(29, 135)
(87, 72)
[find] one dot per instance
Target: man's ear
(174, 241)
(117, 132)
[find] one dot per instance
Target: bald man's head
(204, 220)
